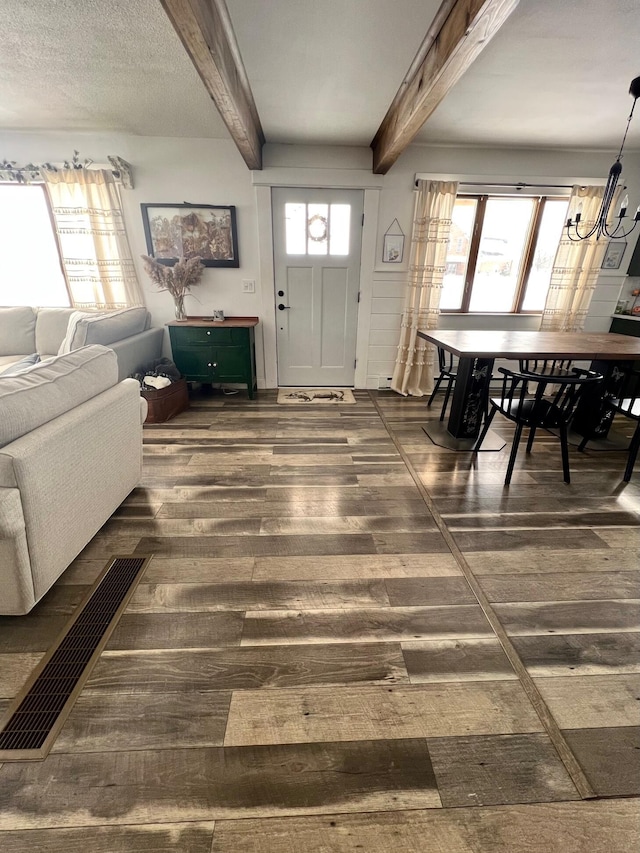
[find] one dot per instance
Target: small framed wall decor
(393, 245)
(189, 230)
(613, 256)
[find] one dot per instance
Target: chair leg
(485, 430)
(583, 444)
(435, 390)
(564, 446)
(446, 399)
(514, 450)
(532, 434)
(633, 453)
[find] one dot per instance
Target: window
(317, 229)
(501, 251)
(30, 270)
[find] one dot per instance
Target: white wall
(170, 170)
(497, 165)
(208, 171)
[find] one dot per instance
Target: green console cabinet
(215, 351)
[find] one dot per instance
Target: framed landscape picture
(189, 230)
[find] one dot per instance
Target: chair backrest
(543, 399)
(445, 361)
(546, 366)
(628, 405)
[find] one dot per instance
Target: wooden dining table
(477, 351)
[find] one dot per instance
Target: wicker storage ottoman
(166, 403)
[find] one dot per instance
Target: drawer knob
(209, 364)
(208, 332)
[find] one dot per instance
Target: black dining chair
(546, 366)
(630, 408)
(538, 401)
(447, 372)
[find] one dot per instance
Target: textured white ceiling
(556, 74)
(103, 65)
(322, 71)
(326, 71)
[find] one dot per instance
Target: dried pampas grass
(178, 279)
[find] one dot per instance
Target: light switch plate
(248, 286)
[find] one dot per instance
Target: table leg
(593, 418)
(470, 395)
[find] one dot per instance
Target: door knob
(282, 307)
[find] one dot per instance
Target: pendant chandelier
(601, 227)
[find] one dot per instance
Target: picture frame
(613, 255)
(393, 249)
(189, 230)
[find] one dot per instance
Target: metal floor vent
(34, 719)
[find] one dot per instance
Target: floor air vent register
(33, 720)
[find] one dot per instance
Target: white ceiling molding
(304, 177)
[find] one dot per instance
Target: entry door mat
(33, 720)
(315, 395)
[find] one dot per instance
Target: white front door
(317, 236)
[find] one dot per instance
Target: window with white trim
(30, 267)
(501, 252)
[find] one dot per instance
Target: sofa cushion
(51, 329)
(37, 396)
(17, 331)
(18, 366)
(104, 328)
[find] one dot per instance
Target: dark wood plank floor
(348, 639)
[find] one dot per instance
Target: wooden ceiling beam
(460, 31)
(205, 29)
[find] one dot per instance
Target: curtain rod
(519, 186)
(10, 172)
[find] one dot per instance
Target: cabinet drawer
(191, 335)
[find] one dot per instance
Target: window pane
(504, 236)
(295, 221)
(462, 219)
(30, 272)
(339, 229)
(554, 217)
(318, 229)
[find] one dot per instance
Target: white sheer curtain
(413, 373)
(576, 267)
(93, 243)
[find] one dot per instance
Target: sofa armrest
(137, 350)
(71, 474)
(16, 583)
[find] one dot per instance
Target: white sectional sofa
(25, 332)
(70, 452)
